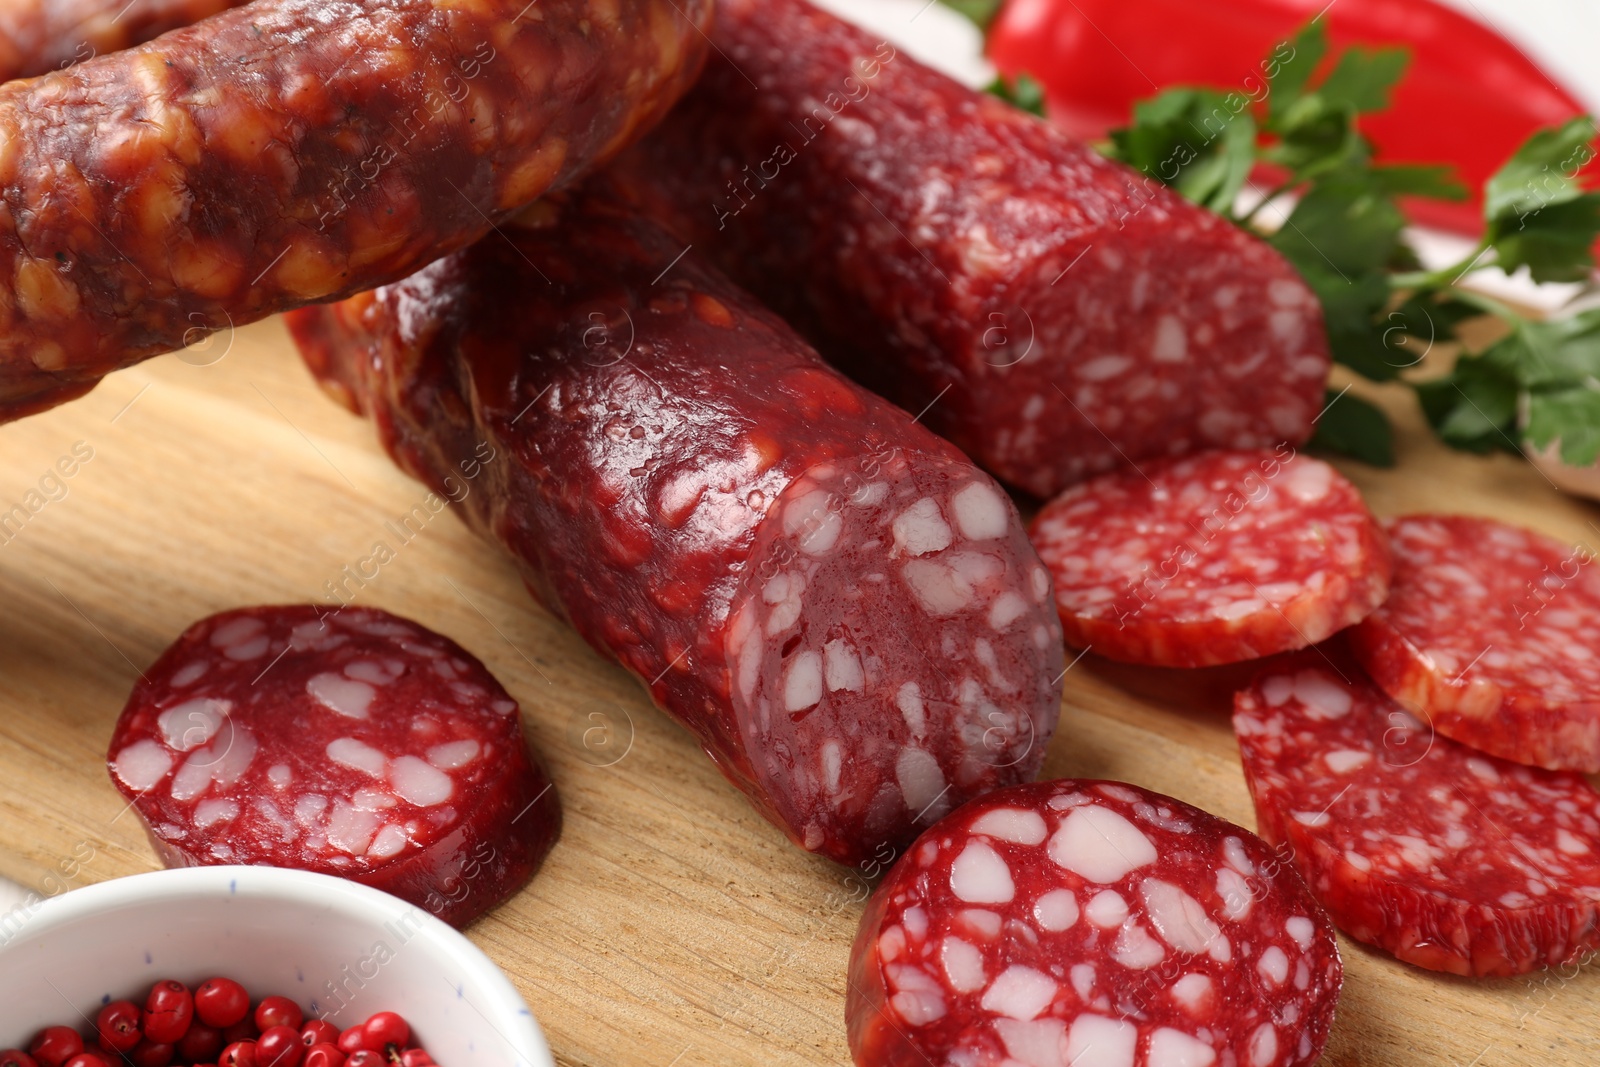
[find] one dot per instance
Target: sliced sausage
(1214, 558)
(839, 606)
(294, 151)
(1058, 315)
(39, 36)
(1489, 635)
(1077, 923)
(348, 742)
(1445, 857)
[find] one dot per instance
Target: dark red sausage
(39, 36)
(349, 742)
(297, 151)
(1061, 313)
(838, 605)
(1448, 858)
(1076, 923)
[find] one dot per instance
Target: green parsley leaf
(1344, 222)
(1571, 416)
(981, 12)
(1554, 353)
(1024, 91)
(1291, 73)
(1350, 426)
(1474, 407)
(1409, 179)
(1363, 78)
(1538, 215)
(1195, 140)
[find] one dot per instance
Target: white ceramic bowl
(334, 946)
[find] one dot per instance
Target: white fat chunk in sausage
(950, 584)
(280, 775)
(1233, 851)
(1136, 949)
(1174, 1048)
(963, 965)
(1007, 608)
(1343, 760)
(377, 672)
(350, 829)
(1263, 1045)
(369, 799)
(190, 674)
(981, 514)
(1100, 845)
(980, 921)
(832, 765)
(1323, 697)
(1016, 825)
(1036, 1043)
(222, 762)
(1179, 918)
(1019, 993)
(783, 592)
(921, 781)
(802, 684)
(309, 808)
(1237, 898)
(1107, 909)
(419, 782)
(453, 755)
(920, 530)
(212, 811)
(980, 876)
(142, 765)
(1273, 965)
(909, 700)
(842, 666)
(357, 755)
(919, 999)
(391, 841)
(1301, 929)
(193, 723)
(1171, 344)
(1194, 993)
(1096, 1041)
(1308, 480)
(348, 697)
(1057, 910)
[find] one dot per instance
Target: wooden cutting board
(671, 927)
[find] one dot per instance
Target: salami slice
(1215, 558)
(841, 608)
(1489, 635)
(1091, 924)
(1448, 858)
(1056, 314)
(349, 742)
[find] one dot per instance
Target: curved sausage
(1057, 314)
(840, 607)
(39, 36)
(297, 151)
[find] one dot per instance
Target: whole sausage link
(39, 36)
(297, 151)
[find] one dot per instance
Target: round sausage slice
(1445, 857)
(1217, 558)
(1489, 635)
(350, 742)
(1069, 923)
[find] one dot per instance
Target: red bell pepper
(1470, 97)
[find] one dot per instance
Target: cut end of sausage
(1078, 922)
(893, 650)
(1447, 858)
(1211, 559)
(348, 742)
(1489, 633)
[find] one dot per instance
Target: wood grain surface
(671, 927)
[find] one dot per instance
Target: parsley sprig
(1345, 235)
